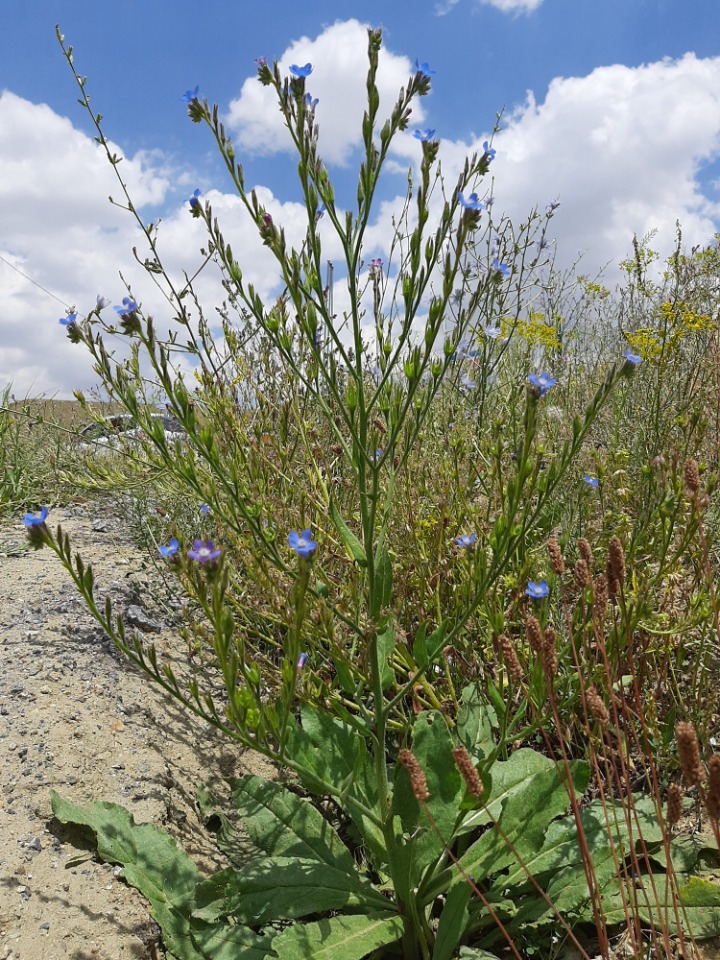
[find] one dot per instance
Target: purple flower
(204, 551)
(310, 103)
(171, 548)
(190, 95)
(424, 69)
(129, 306)
(466, 540)
(489, 151)
(69, 319)
(502, 268)
(302, 660)
(424, 135)
(542, 382)
(591, 481)
(36, 519)
(297, 71)
(472, 202)
(193, 200)
(376, 263)
(260, 61)
(267, 220)
(302, 543)
(633, 358)
(537, 591)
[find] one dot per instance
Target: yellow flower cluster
(678, 321)
(537, 331)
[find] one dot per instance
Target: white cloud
(340, 64)
(620, 148)
(505, 6)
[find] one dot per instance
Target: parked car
(116, 432)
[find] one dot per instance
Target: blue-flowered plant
(363, 653)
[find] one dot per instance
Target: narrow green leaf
(338, 938)
(383, 583)
(452, 922)
(475, 722)
(385, 647)
(352, 543)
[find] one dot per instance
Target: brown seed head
(550, 659)
(692, 476)
(615, 565)
(582, 574)
(556, 557)
(596, 706)
(689, 754)
(600, 597)
(514, 667)
(533, 632)
(585, 551)
(417, 777)
(468, 771)
(712, 796)
(674, 804)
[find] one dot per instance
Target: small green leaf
(385, 647)
(349, 539)
(383, 583)
(476, 719)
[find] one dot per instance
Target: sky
(610, 107)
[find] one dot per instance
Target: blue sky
(612, 106)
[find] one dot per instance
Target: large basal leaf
(699, 909)
(281, 889)
(332, 752)
(338, 938)
(281, 824)
(527, 795)
(475, 722)
(167, 877)
(432, 746)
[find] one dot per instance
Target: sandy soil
(75, 717)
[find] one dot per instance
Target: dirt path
(76, 718)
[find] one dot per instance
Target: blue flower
(310, 103)
(424, 135)
(542, 382)
(591, 481)
(302, 543)
(302, 660)
(633, 358)
(36, 519)
(489, 151)
(537, 591)
(101, 302)
(171, 548)
(204, 551)
(205, 508)
(190, 95)
(320, 212)
(378, 454)
(472, 202)
(193, 200)
(493, 333)
(70, 318)
(502, 268)
(297, 71)
(465, 539)
(424, 69)
(129, 306)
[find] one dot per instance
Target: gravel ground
(75, 717)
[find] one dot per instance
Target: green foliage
(430, 471)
